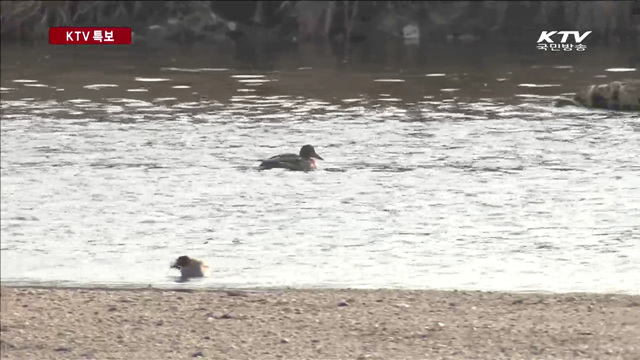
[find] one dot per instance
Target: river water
(436, 176)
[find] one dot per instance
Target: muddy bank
(55, 323)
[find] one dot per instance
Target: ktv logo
(545, 42)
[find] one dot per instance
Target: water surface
(438, 177)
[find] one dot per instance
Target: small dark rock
(226, 316)
(185, 290)
(62, 349)
(343, 303)
(112, 308)
(198, 354)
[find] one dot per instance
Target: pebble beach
(96, 323)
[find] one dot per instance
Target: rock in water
(616, 95)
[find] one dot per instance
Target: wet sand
(63, 323)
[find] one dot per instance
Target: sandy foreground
(59, 323)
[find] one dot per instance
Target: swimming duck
(302, 162)
(190, 268)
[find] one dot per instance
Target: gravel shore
(65, 323)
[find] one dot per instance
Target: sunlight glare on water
(488, 189)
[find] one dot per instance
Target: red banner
(90, 36)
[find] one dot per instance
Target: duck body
(190, 268)
(304, 161)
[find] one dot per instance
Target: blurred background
(369, 30)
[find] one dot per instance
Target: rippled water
(432, 178)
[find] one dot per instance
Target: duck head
(182, 261)
(307, 152)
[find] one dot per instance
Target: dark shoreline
(276, 24)
(274, 290)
